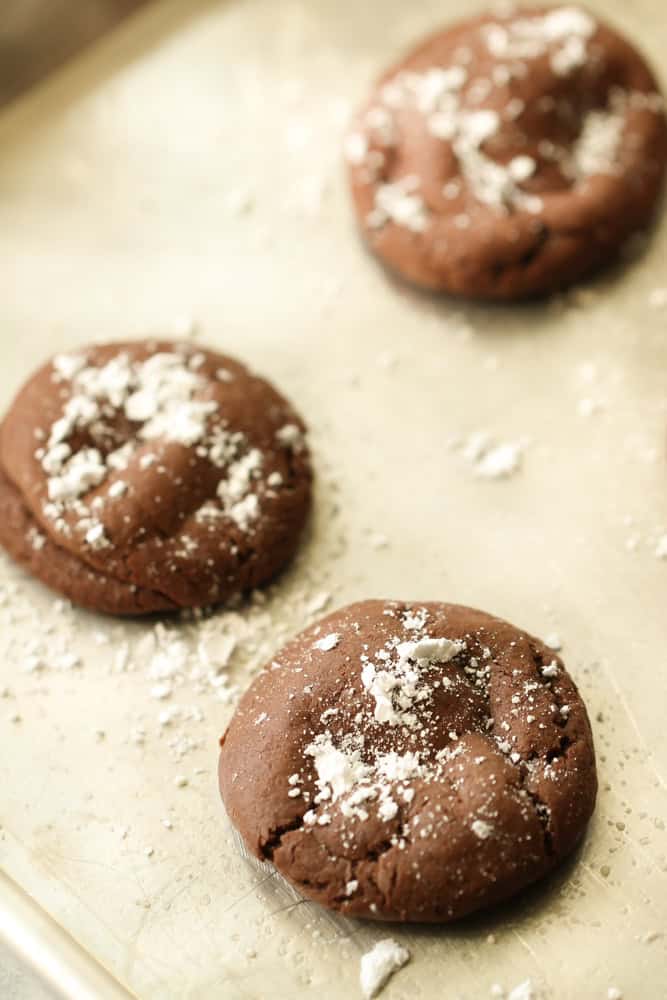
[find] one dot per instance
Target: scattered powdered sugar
(401, 678)
(183, 674)
(563, 33)
(290, 436)
(491, 460)
(596, 148)
(482, 829)
(491, 183)
(401, 203)
(450, 99)
(437, 94)
(661, 547)
(327, 642)
(501, 461)
(235, 490)
(164, 396)
(338, 770)
(379, 964)
(344, 777)
(395, 680)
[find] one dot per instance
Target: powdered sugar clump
(378, 964)
(344, 777)
(396, 683)
(400, 202)
(481, 829)
(562, 32)
(501, 461)
(327, 642)
(491, 460)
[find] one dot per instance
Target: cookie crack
(541, 811)
(275, 837)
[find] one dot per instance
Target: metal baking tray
(184, 176)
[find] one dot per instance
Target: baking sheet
(184, 177)
(36, 36)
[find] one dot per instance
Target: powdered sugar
(400, 202)
(164, 396)
(482, 829)
(596, 148)
(501, 461)
(437, 93)
(563, 33)
(490, 459)
(379, 964)
(76, 474)
(395, 682)
(450, 99)
(327, 642)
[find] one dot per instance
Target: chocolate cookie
(151, 476)
(410, 762)
(509, 155)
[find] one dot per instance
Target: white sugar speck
(379, 964)
(550, 670)
(481, 829)
(500, 462)
(327, 642)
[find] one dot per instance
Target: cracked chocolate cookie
(509, 155)
(410, 762)
(151, 476)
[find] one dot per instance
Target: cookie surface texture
(151, 476)
(410, 762)
(509, 156)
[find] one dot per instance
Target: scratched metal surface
(118, 182)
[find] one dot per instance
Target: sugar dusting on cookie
(489, 138)
(152, 475)
(159, 396)
(394, 734)
(443, 95)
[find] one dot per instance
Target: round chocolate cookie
(410, 762)
(509, 155)
(151, 476)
